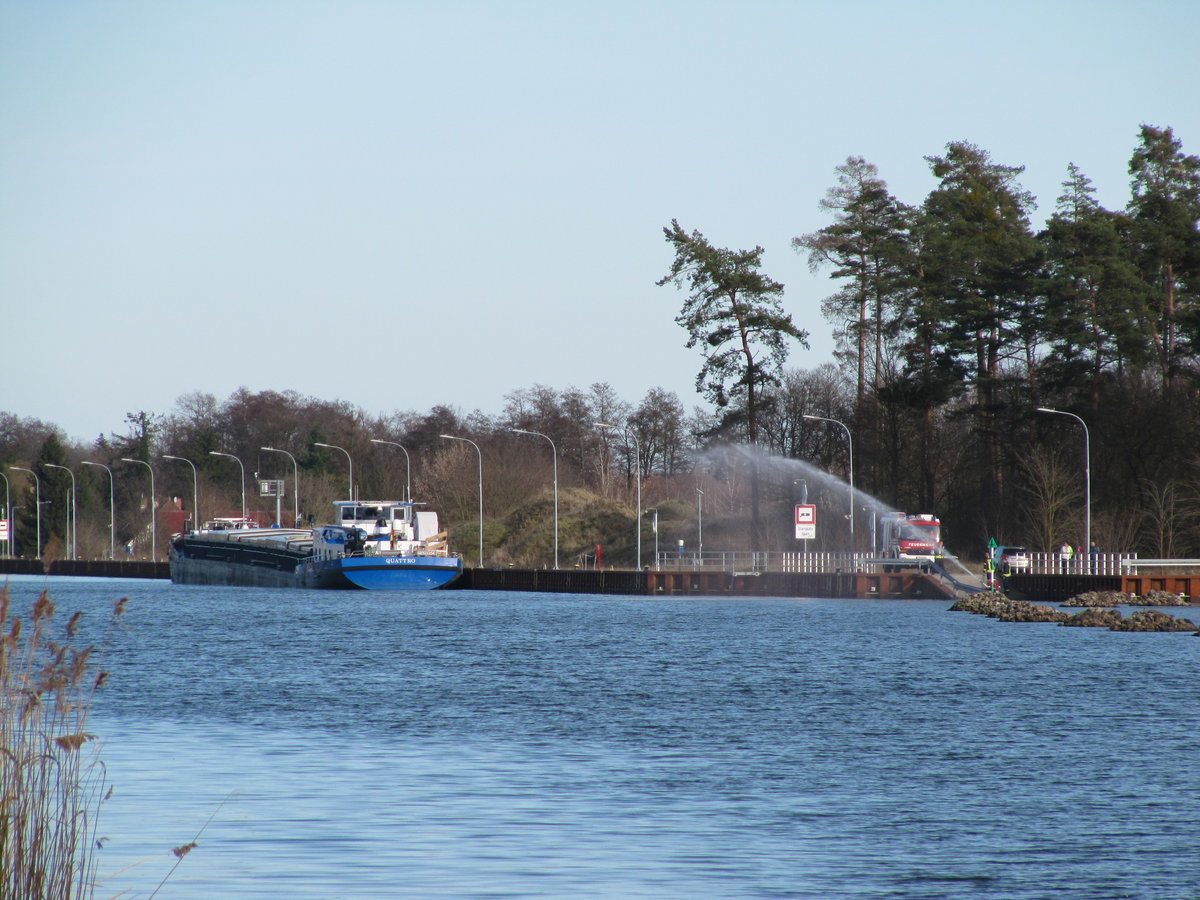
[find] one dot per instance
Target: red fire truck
(916, 539)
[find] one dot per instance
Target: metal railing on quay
(1081, 563)
(757, 561)
(779, 561)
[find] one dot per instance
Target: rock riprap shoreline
(1095, 614)
(1120, 598)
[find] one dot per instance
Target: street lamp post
(479, 453)
(195, 490)
(803, 482)
(240, 466)
(112, 519)
(700, 524)
(12, 531)
(1087, 474)
(37, 487)
(654, 528)
(348, 460)
(8, 517)
(850, 440)
(407, 461)
(554, 456)
(72, 522)
(637, 473)
(153, 517)
(295, 478)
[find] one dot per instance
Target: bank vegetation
(957, 320)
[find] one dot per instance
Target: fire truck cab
(913, 540)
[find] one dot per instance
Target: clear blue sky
(404, 204)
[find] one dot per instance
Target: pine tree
(1166, 213)
(1091, 315)
(866, 247)
(734, 312)
(978, 262)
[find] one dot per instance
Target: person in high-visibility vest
(1065, 552)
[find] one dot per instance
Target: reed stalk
(51, 778)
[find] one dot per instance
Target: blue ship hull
(383, 573)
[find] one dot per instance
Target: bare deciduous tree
(1053, 496)
(1166, 514)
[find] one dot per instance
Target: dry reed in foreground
(51, 779)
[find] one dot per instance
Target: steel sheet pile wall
(1187, 585)
(1057, 588)
(562, 581)
(96, 568)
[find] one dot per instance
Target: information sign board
(270, 488)
(806, 522)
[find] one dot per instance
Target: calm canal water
(493, 745)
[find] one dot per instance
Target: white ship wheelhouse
(378, 517)
(391, 526)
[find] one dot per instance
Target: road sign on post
(272, 488)
(806, 522)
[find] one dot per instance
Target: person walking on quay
(1093, 557)
(1065, 552)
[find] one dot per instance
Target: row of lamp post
(296, 492)
(699, 492)
(72, 524)
(554, 456)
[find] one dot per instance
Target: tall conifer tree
(1166, 211)
(734, 312)
(979, 258)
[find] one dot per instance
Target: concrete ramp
(959, 586)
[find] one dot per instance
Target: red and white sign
(806, 522)
(3, 529)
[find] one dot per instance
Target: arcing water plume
(803, 482)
